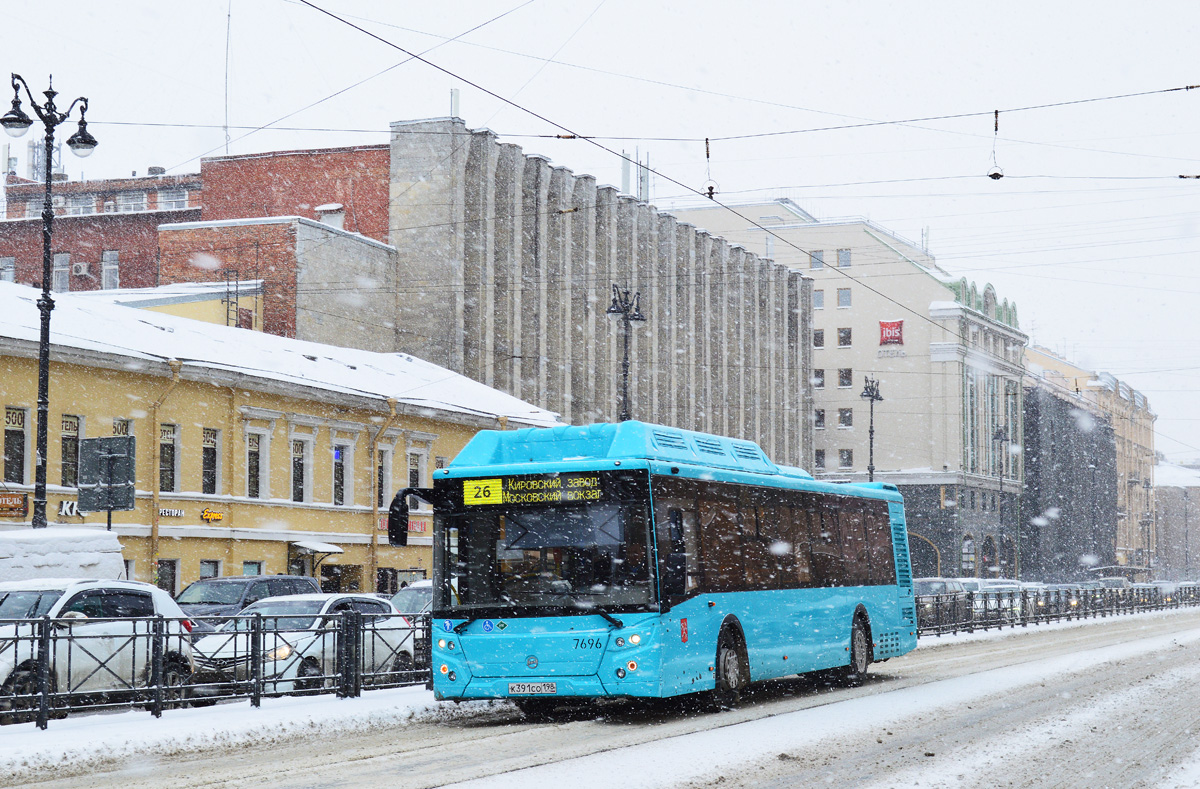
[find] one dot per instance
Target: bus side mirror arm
(398, 513)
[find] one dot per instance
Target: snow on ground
(136, 732)
(701, 755)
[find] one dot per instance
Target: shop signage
(68, 508)
(14, 505)
(211, 516)
(891, 332)
(418, 526)
(167, 512)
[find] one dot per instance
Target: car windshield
(27, 604)
(280, 615)
(930, 587)
(413, 599)
(556, 557)
(211, 593)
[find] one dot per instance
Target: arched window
(968, 556)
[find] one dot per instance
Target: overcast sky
(1091, 231)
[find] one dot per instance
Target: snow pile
(59, 553)
(85, 738)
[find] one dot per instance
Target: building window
(81, 204)
(70, 451)
(819, 419)
(818, 338)
(441, 462)
(843, 297)
(843, 258)
(8, 269)
(414, 470)
(167, 577)
(818, 379)
(340, 454)
(845, 417)
(60, 281)
(169, 199)
(845, 377)
(383, 476)
(254, 465)
(110, 269)
(252, 568)
(131, 201)
(818, 299)
(968, 556)
(300, 466)
(168, 442)
(14, 445)
(208, 461)
(33, 208)
(844, 338)
(817, 257)
(819, 459)
(209, 568)
(845, 458)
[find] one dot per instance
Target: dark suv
(228, 596)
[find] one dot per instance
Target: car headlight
(282, 652)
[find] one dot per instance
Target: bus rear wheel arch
(732, 668)
(861, 653)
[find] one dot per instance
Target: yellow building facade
(255, 454)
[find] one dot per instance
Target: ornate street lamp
(629, 311)
(16, 123)
(1001, 437)
(870, 393)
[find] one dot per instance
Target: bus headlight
(635, 639)
(441, 643)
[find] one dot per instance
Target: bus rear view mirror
(398, 513)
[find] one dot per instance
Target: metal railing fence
(985, 610)
(51, 667)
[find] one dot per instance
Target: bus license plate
(532, 688)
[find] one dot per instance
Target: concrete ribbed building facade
(506, 270)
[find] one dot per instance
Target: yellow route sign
(483, 491)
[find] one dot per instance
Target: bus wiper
(461, 626)
(594, 609)
(612, 619)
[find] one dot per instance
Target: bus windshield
(562, 557)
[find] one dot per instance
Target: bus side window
(854, 544)
(879, 543)
(828, 568)
(720, 542)
(675, 563)
(798, 536)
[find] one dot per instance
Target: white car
(101, 641)
(299, 648)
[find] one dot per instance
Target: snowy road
(1109, 703)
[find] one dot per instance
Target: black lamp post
(16, 123)
(1001, 436)
(870, 393)
(629, 311)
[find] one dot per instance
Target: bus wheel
(860, 655)
(733, 671)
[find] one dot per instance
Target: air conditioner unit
(79, 269)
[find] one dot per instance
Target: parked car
(940, 601)
(102, 640)
(1114, 582)
(299, 649)
(416, 598)
(224, 597)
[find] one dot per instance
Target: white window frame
(219, 438)
(264, 461)
(172, 198)
(347, 447)
(384, 456)
(175, 471)
(60, 278)
(257, 564)
(8, 269)
(844, 292)
(842, 458)
(25, 428)
(81, 205)
(131, 202)
(110, 269)
(217, 562)
(306, 493)
(818, 299)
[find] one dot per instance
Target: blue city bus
(636, 560)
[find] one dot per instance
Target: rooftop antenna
(228, 29)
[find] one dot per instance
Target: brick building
(105, 232)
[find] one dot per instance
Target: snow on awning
(312, 546)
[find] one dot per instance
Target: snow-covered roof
(1169, 475)
(209, 351)
(178, 293)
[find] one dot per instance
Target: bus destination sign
(534, 490)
